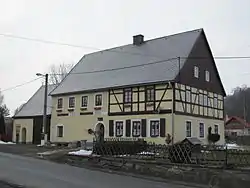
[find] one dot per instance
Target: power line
(120, 68)
(71, 45)
(157, 62)
(20, 85)
(111, 49)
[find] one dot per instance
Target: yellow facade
(23, 127)
(76, 121)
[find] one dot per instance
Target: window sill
(84, 108)
(98, 107)
(71, 109)
(154, 136)
(136, 136)
(59, 110)
(119, 136)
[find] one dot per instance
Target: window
(71, 102)
(216, 129)
(128, 95)
(215, 103)
(209, 102)
(60, 103)
(136, 128)
(201, 99)
(98, 100)
(202, 130)
(84, 101)
(196, 72)
(205, 100)
(59, 131)
(188, 129)
(207, 76)
(234, 133)
(150, 94)
(119, 128)
(188, 96)
(154, 128)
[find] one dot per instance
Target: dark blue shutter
(143, 127)
(111, 127)
(128, 128)
(162, 127)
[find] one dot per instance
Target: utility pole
(244, 106)
(44, 135)
(45, 109)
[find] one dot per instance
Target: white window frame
(203, 129)
(196, 71)
(57, 131)
(150, 94)
(130, 90)
(188, 96)
(149, 127)
(207, 76)
(201, 99)
(69, 102)
(57, 103)
(186, 129)
(95, 100)
(205, 98)
(123, 127)
(87, 101)
(218, 129)
(215, 102)
(132, 121)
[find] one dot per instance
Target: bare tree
(3, 108)
(59, 72)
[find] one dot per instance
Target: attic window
(207, 76)
(60, 103)
(196, 72)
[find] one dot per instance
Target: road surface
(37, 173)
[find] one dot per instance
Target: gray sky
(109, 23)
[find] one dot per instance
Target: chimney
(138, 40)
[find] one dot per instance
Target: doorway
(100, 129)
(24, 135)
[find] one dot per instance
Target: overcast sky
(109, 23)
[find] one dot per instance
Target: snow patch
(81, 153)
(2, 142)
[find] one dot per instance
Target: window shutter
(162, 127)
(128, 128)
(143, 127)
(111, 127)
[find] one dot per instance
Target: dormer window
(207, 76)
(196, 72)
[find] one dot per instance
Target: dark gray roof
(34, 106)
(164, 50)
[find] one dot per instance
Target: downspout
(173, 99)
(173, 109)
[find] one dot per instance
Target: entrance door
(24, 135)
(100, 132)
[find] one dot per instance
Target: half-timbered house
(167, 87)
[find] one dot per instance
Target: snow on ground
(2, 142)
(81, 153)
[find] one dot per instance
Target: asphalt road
(30, 172)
